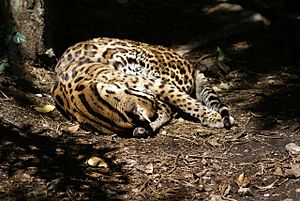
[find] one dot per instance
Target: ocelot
(120, 86)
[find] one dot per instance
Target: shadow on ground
(48, 168)
(264, 70)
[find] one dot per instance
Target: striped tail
(211, 100)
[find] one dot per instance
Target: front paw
(212, 119)
(141, 132)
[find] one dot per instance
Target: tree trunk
(27, 17)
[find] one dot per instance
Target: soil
(258, 80)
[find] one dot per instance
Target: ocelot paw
(212, 119)
(141, 132)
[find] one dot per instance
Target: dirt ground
(259, 81)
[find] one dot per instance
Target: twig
(157, 193)
(241, 134)
(255, 115)
(147, 181)
(5, 96)
(144, 184)
(230, 199)
(269, 137)
(265, 143)
(204, 156)
(175, 163)
(181, 182)
(243, 131)
(235, 143)
(279, 184)
(42, 117)
(180, 137)
(205, 56)
(296, 132)
(70, 194)
(244, 164)
(264, 188)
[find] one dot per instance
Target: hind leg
(210, 99)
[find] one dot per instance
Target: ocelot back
(116, 86)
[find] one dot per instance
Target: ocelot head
(140, 107)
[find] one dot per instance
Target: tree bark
(27, 16)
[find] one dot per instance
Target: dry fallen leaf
(293, 148)
(242, 181)
(97, 162)
(278, 171)
(148, 169)
(244, 191)
(100, 164)
(94, 174)
(294, 171)
(44, 108)
(214, 143)
(216, 198)
(71, 129)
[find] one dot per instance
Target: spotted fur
(114, 85)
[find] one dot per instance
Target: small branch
(5, 96)
(147, 181)
(265, 143)
(230, 199)
(180, 137)
(264, 188)
(175, 163)
(187, 184)
(205, 56)
(269, 137)
(236, 143)
(204, 156)
(144, 184)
